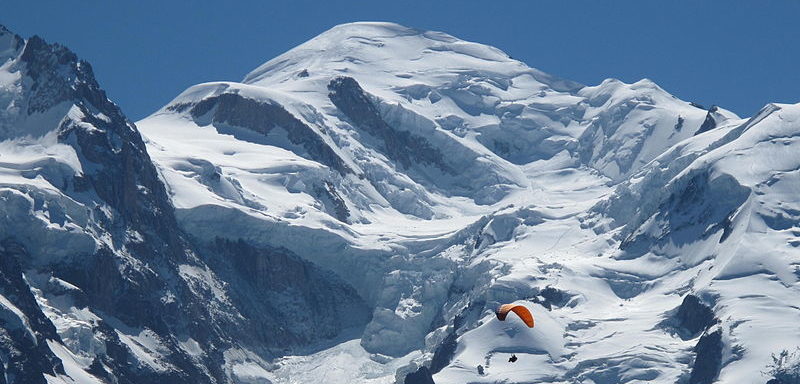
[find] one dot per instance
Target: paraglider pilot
(520, 311)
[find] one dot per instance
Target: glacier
(354, 210)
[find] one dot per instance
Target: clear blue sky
(737, 54)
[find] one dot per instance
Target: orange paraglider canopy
(520, 310)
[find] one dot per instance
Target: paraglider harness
(520, 311)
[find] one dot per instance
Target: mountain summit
(373, 50)
(356, 208)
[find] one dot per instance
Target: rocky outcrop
(693, 316)
(550, 297)
(708, 358)
(401, 146)
(332, 200)
(286, 300)
(785, 367)
(420, 376)
(138, 262)
(24, 329)
(239, 111)
(444, 353)
(710, 122)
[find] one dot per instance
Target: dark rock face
(709, 358)
(14, 41)
(444, 353)
(693, 316)
(421, 376)
(238, 111)
(709, 123)
(126, 278)
(550, 297)
(120, 170)
(137, 279)
(793, 379)
(262, 118)
(679, 123)
(446, 350)
(50, 88)
(333, 202)
(287, 301)
(785, 367)
(25, 355)
(403, 147)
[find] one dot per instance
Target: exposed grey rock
(709, 358)
(679, 124)
(785, 367)
(118, 172)
(25, 355)
(444, 353)
(693, 316)
(710, 122)
(239, 111)
(286, 300)
(550, 297)
(333, 202)
(421, 376)
(400, 146)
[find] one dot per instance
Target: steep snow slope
(440, 178)
(448, 136)
(453, 122)
(726, 218)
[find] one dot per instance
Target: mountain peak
(374, 28)
(44, 81)
(383, 29)
(387, 56)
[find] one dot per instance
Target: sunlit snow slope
(653, 239)
(355, 209)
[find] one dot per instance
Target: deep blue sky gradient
(737, 54)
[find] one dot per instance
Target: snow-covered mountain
(355, 209)
(98, 283)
